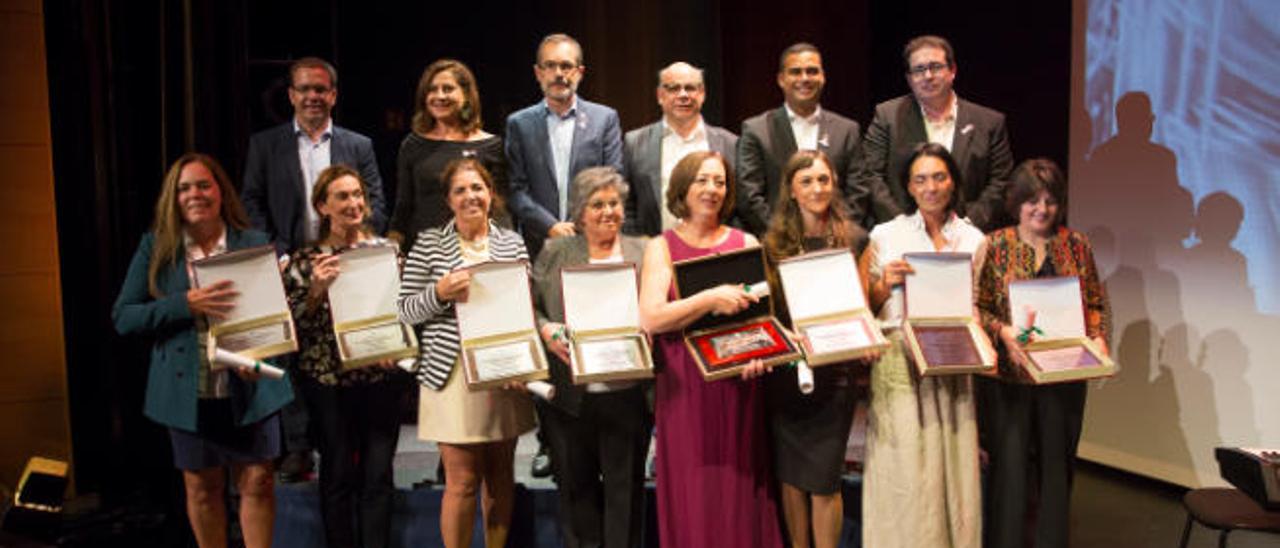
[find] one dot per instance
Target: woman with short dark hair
(1031, 431)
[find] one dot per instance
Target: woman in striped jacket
(476, 430)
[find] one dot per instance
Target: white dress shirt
(315, 157)
(804, 128)
(943, 131)
(560, 131)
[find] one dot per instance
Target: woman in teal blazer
(216, 419)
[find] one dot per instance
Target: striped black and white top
(435, 253)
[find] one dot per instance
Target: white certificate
(609, 355)
(1054, 304)
(367, 286)
(260, 324)
(821, 283)
(940, 287)
(838, 336)
(254, 274)
(376, 340)
(244, 341)
(498, 301)
(504, 360)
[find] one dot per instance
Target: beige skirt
(458, 415)
(921, 485)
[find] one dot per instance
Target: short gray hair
(590, 181)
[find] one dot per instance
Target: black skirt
(220, 442)
(808, 432)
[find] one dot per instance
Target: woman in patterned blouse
(354, 412)
(1015, 416)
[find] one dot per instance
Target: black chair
(1226, 510)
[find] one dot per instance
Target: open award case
(1062, 350)
(941, 333)
(500, 341)
(827, 306)
(363, 304)
(260, 326)
(602, 316)
(723, 345)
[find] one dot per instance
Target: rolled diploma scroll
(224, 359)
(758, 289)
(541, 389)
(804, 377)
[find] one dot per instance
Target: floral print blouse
(318, 358)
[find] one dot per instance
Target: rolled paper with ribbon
(541, 389)
(804, 377)
(224, 359)
(758, 290)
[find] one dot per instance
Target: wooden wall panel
(33, 385)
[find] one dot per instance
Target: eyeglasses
(317, 88)
(562, 66)
(919, 71)
(688, 88)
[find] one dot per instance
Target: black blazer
(549, 302)
(642, 157)
(766, 145)
(980, 148)
(274, 194)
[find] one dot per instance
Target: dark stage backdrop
(135, 84)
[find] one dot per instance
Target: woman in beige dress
(921, 486)
(476, 430)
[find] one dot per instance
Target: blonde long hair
(167, 225)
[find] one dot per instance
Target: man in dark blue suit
(284, 160)
(547, 144)
(279, 174)
(550, 142)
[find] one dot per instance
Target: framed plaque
(602, 317)
(827, 305)
(500, 341)
(260, 325)
(362, 301)
(723, 345)
(1062, 350)
(941, 333)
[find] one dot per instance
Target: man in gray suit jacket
(551, 141)
(769, 139)
(285, 160)
(975, 135)
(651, 152)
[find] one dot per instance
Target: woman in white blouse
(921, 486)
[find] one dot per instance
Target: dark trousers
(1031, 433)
(356, 429)
(599, 462)
(295, 425)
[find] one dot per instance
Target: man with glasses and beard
(547, 144)
(975, 135)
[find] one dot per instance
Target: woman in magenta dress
(712, 458)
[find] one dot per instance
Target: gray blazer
(549, 302)
(535, 197)
(980, 148)
(642, 156)
(766, 145)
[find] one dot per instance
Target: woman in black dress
(808, 432)
(446, 126)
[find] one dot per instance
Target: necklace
(477, 245)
